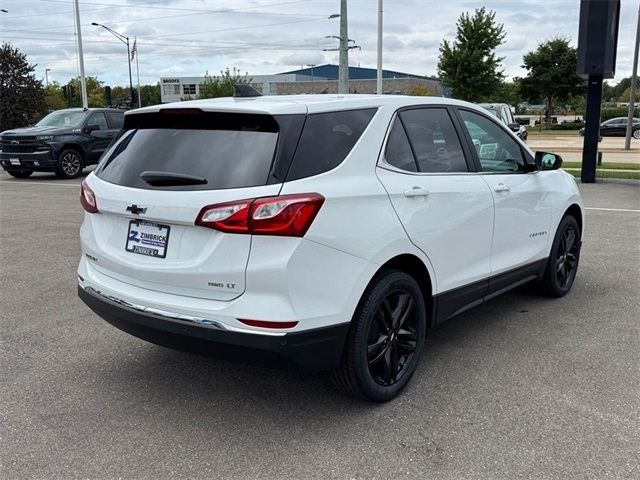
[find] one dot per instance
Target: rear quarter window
(326, 140)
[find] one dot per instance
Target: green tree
(626, 95)
(150, 94)
(222, 85)
(54, 97)
(21, 93)
(95, 92)
(506, 92)
(468, 65)
(551, 75)
(420, 91)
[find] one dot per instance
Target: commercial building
(317, 79)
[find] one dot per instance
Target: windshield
(62, 119)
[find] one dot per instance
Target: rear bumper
(315, 349)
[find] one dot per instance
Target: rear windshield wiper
(168, 179)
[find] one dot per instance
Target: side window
(398, 152)
(434, 140)
(98, 119)
(326, 140)
(116, 119)
(497, 151)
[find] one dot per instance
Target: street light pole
(343, 71)
(312, 65)
(124, 39)
(83, 81)
(634, 81)
(46, 77)
(379, 75)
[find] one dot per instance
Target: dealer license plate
(148, 238)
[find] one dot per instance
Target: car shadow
(196, 386)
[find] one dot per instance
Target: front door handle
(501, 187)
(416, 192)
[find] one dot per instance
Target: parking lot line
(612, 209)
(9, 182)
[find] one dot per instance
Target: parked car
(617, 127)
(320, 231)
(64, 142)
(503, 112)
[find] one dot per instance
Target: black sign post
(597, 48)
(592, 129)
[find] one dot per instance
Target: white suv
(324, 232)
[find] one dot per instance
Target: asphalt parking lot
(523, 387)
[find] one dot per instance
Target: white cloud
(187, 37)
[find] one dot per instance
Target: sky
(190, 37)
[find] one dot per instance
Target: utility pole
(343, 74)
(46, 77)
(83, 80)
(379, 76)
(634, 81)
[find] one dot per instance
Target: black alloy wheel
(562, 265)
(69, 164)
(566, 261)
(385, 340)
(392, 338)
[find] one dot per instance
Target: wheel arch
(576, 212)
(73, 146)
(416, 268)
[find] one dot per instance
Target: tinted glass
(326, 140)
(226, 158)
(98, 119)
(116, 119)
(62, 119)
(497, 150)
(434, 140)
(398, 152)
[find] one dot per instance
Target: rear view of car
(186, 227)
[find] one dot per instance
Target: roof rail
(244, 90)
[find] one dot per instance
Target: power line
(181, 9)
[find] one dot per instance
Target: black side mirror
(548, 161)
(91, 128)
(514, 127)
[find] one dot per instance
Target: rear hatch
(156, 178)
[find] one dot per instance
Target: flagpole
(138, 74)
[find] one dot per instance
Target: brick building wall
(400, 86)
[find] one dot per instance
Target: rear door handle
(416, 192)
(501, 187)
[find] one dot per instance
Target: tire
(70, 164)
(20, 173)
(636, 134)
(385, 339)
(562, 265)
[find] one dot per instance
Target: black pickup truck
(64, 142)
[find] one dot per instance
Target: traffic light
(107, 96)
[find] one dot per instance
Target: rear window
(326, 140)
(227, 150)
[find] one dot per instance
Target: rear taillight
(286, 215)
(88, 198)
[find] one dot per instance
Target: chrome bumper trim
(163, 314)
(172, 316)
